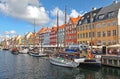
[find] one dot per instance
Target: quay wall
(111, 60)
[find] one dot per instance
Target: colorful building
(71, 31)
(61, 35)
(100, 26)
(53, 36)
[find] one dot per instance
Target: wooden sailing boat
(24, 49)
(62, 59)
(14, 49)
(36, 52)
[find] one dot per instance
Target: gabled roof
(54, 28)
(74, 20)
(86, 17)
(62, 26)
(114, 7)
(41, 30)
(32, 35)
(44, 30)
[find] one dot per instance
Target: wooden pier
(111, 60)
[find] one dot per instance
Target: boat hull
(63, 63)
(91, 63)
(37, 55)
(24, 51)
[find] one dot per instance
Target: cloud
(61, 16)
(26, 10)
(10, 32)
(73, 13)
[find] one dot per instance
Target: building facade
(61, 36)
(100, 26)
(71, 31)
(53, 36)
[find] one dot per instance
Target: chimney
(94, 8)
(115, 2)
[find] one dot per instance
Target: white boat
(79, 60)
(63, 62)
(37, 53)
(24, 51)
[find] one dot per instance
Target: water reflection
(64, 73)
(23, 66)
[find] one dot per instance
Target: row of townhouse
(98, 27)
(62, 35)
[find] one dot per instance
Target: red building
(53, 36)
(71, 31)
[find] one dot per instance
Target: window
(114, 23)
(93, 34)
(80, 35)
(108, 24)
(89, 34)
(98, 42)
(104, 34)
(79, 22)
(85, 21)
(114, 42)
(92, 26)
(108, 33)
(86, 35)
(109, 42)
(101, 17)
(104, 43)
(94, 14)
(114, 32)
(83, 35)
(111, 14)
(99, 34)
(98, 25)
(103, 24)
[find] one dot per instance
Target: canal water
(24, 66)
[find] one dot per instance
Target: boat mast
(34, 32)
(65, 27)
(57, 29)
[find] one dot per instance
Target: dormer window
(79, 22)
(82, 18)
(88, 16)
(101, 16)
(110, 14)
(94, 14)
(85, 21)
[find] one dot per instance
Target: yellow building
(100, 26)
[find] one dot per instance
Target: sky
(17, 17)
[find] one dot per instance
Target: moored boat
(63, 62)
(36, 53)
(91, 61)
(15, 51)
(24, 51)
